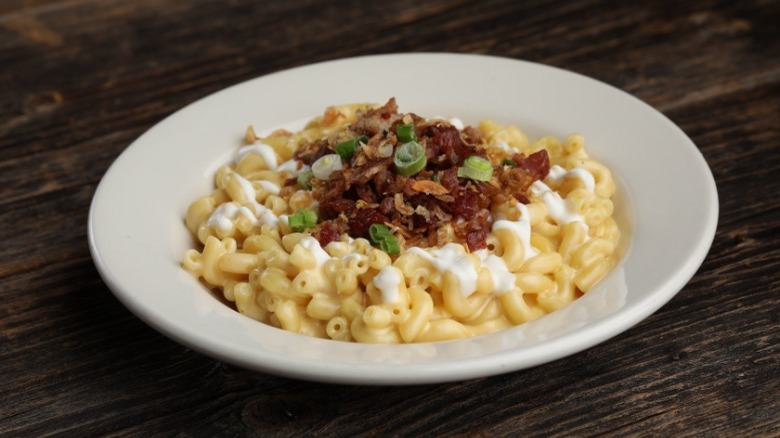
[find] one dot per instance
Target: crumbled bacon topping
(430, 208)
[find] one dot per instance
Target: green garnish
(406, 132)
(346, 149)
(302, 220)
(476, 168)
(508, 162)
(381, 235)
(409, 158)
(304, 179)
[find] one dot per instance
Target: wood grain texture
(81, 79)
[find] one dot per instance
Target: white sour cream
(503, 280)
(558, 174)
(387, 281)
(557, 207)
(224, 217)
(266, 152)
(291, 167)
(312, 245)
(270, 187)
(521, 227)
(452, 257)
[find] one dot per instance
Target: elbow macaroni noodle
(540, 256)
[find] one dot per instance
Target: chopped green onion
(476, 168)
(302, 220)
(378, 232)
(325, 166)
(390, 245)
(304, 178)
(409, 158)
(406, 132)
(381, 235)
(508, 162)
(346, 149)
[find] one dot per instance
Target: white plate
(667, 204)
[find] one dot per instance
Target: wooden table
(81, 79)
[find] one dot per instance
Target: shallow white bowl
(666, 202)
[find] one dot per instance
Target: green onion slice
(406, 132)
(302, 220)
(304, 179)
(390, 245)
(325, 166)
(381, 235)
(378, 232)
(476, 168)
(508, 162)
(346, 149)
(409, 158)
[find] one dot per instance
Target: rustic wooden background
(81, 79)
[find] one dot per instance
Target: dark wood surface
(81, 79)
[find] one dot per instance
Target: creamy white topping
(387, 281)
(558, 174)
(291, 167)
(452, 257)
(266, 152)
(503, 280)
(521, 227)
(269, 187)
(246, 187)
(557, 207)
(224, 217)
(311, 244)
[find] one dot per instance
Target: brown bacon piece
(361, 219)
(311, 152)
(327, 232)
(538, 164)
(377, 120)
(476, 239)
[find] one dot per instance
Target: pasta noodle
(541, 249)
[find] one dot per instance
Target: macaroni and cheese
(371, 225)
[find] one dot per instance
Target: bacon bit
(376, 120)
(476, 240)
(429, 187)
(473, 135)
(386, 206)
(361, 219)
(327, 232)
(368, 174)
(538, 164)
(401, 206)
